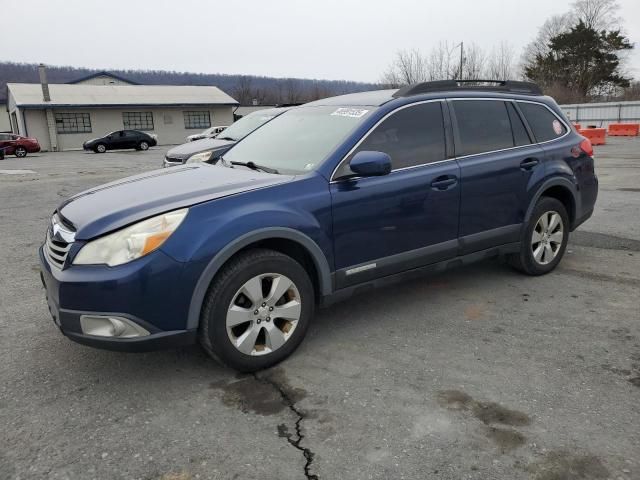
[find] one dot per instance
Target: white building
(63, 116)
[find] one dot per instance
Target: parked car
(328, 199)
(209, 149)
(120, 140)
(208, 133)
(18, 145)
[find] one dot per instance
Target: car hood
(187, 149)
(114, 205)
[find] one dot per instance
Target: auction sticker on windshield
(350, 112)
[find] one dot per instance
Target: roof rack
(525, 88)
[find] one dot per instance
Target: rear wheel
(100, 148)
(545, 238)
(20, 152)
(257, 310)
(143, 145)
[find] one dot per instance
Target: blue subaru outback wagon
(328, 199)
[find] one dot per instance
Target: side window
(483, 126)
(543, 123)
(520, 135)
(412, 136)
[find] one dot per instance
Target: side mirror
(370, 164)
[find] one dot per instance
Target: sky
(328, 39)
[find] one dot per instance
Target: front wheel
(257, 310)
(100, 148)
(544, 239)
(20, 152)
(143, 146)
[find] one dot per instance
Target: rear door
(498, 161)
(409, 218)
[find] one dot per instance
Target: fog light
(118, 327)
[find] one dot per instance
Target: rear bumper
(69, 297)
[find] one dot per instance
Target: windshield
(245, 126)
(298, 140)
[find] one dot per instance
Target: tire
(226, 294)
(20, 152)
(143, 146)
(100, 148)
(540, 257)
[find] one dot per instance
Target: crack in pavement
(294, 439)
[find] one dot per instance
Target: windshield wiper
(255, 166)
(226, 138)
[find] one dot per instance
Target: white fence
(602, 114)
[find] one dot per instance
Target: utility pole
(461, 59)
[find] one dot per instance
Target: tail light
(584, 147)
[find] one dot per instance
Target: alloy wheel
(263, 314)
(21, 152)
(547, 237)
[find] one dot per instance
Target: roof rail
(525, 88)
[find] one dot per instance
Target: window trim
(444, 112)
(448, 116)
(185, 116)
(567, 132)
(75, 132)
(531, 133)
(125, 127)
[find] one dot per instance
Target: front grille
(56, 250)
(173, 159)
(60, 237)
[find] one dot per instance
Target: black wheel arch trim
(556, 182)
(319, 260)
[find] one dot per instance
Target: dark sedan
(122, 139)
(209, 149)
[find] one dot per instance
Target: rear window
(483, 126)
(544, 124)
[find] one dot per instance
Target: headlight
(200, 157)
(132, 242)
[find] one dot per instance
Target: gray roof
(83, 95)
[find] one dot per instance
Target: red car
(18, 145)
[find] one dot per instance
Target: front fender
(214, 265)
(213, 232)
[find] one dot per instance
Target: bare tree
(439, 63)
(552, 27)
(408, 66)
(243, 91)
(473, 63)
(292, 91)
(501, 62)
(597, 14)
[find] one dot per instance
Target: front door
(409, 218)
(498, 161)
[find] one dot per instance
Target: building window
(198, 120)
(73, 123)
(137, 120)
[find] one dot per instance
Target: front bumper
(75, 292)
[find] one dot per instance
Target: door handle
(529, 163)
(444, 182)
